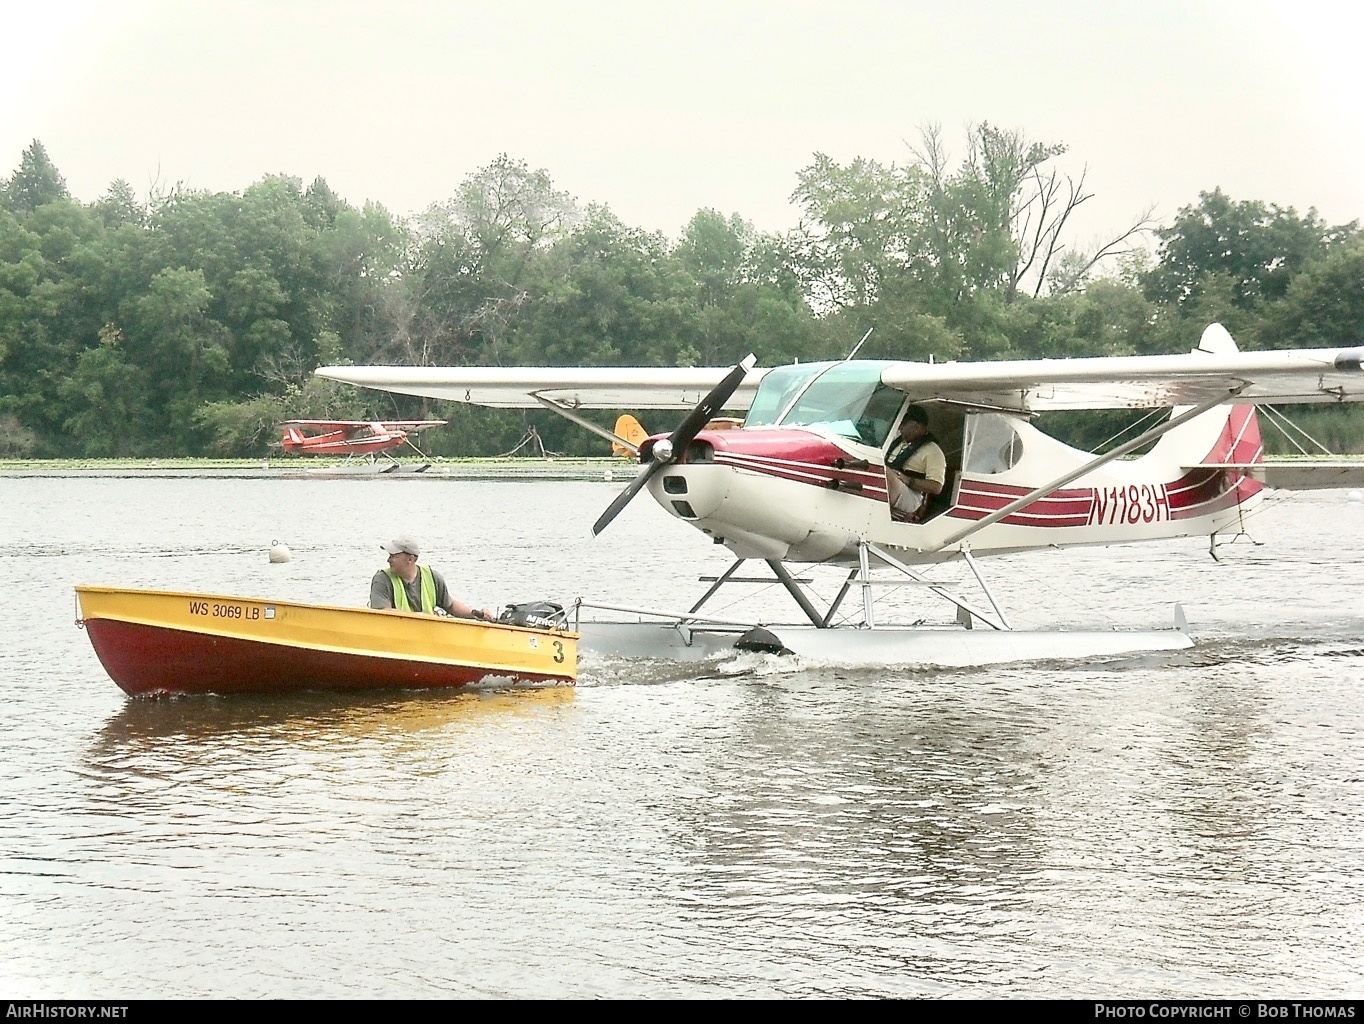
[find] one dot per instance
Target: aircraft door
(946, 424)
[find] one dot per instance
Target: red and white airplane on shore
(350, 437)
(804, 479)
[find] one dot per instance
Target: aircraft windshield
(847, 399)
(778, 387)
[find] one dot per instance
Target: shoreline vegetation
(191, 322)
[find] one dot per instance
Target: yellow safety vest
(400, 601)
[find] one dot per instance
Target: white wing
(1118, 382)
(516, 387)
(1028, 385)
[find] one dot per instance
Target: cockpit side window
(992, 444)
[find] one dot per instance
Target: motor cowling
(535, 614)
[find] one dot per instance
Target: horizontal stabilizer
(1298, 474)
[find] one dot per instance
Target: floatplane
(360, 441)
(803, 480)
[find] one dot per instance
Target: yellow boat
(163, 642)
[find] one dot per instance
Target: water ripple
(1175, 825)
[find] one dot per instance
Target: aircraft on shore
(367, 438)
(804, 479)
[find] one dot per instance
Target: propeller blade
(679, 439)
(707, 408)
(623, 498)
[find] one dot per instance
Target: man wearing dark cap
(408, 587)
(915, 466)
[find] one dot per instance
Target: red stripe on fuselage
(806, 458)
(795, 455)
(1068, 506)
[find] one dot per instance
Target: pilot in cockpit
(916, 467)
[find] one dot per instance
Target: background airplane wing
(325, 424)
(343, 424)
(515, 387)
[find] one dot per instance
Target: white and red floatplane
(804, 481)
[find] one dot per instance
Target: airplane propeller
(665, 451)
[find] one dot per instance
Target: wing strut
(573, 417)
(683, 621)
(1075, 474)
(720, 581)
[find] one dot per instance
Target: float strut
(864, 567)
(842, 593)
(793, 588)
(719, 582)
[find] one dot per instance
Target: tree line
(189, 322)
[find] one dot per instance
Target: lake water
(1186, 824)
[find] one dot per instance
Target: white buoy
(279, 552)
(606, 475)
(1355, 496)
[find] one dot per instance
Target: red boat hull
(147, 660)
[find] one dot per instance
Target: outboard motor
(535, 614)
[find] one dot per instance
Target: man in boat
(915, 466)
(407, 586)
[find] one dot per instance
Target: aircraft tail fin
(628, 429)
(1221, 451)
(293, 439)
(1227, 435)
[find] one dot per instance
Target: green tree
(613, 295)
(713, 250)
(119, 206)
(475, 261)
(366, 281)
(36, 183)
(862, 227)
(744, 297)
(16, 440)
(932, 254)
(105, 402)
(47, 315)
(1258, 248)
(1323, 306)
(182, 351)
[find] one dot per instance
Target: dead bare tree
(1009, 200)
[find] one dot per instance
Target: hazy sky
(659, 109)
